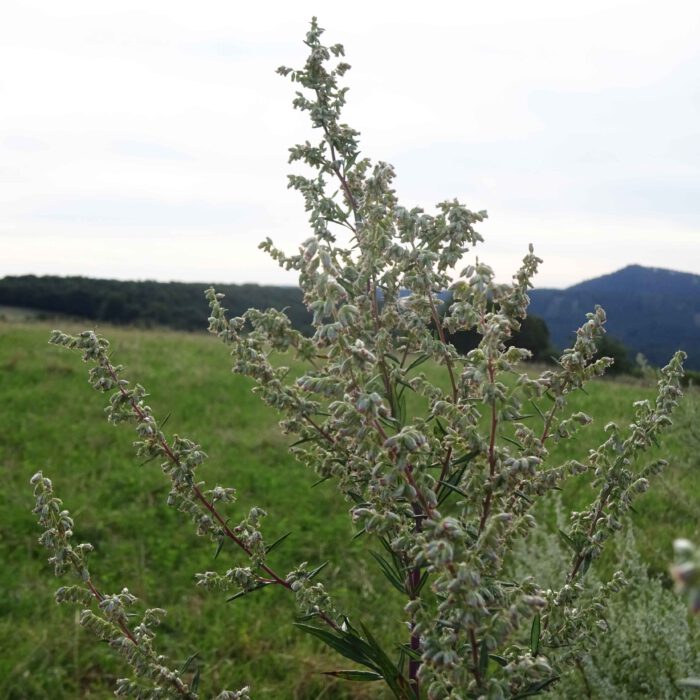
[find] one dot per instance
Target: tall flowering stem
(111, 620)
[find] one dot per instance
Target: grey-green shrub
(646, 643)
(442, 492)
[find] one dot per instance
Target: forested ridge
(182, 306)
(178, 305)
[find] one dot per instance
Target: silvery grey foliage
(645, 643)
(441, 475)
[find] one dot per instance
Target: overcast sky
(148, 140)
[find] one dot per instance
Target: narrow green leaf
(400, 565)
(389, 421)
(422, 582)
(355, 675)
(188, 662)
(506, 584)
(500, 660)
(513, 442)
(483, 659)
(219, 546)
(150, 459)
(467, 457)
(410, 652)
(537, 408)
(389, 670)
(277, 542)
(306, 618)
(194, 684)
(452, 487)
(567, 540)
(311, 438)
(417, 362)
(522, 416)
(535, 688)
(347, 625)
(350, 162)
(456, 476)
(398, 562)
(346, 645)
(401, 408)
(240, 594)
(320, 481)
(318, 570)
(393, 578)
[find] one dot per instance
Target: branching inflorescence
(107, 616)
(443, 475)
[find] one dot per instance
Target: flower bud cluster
(312, 598)
(111, 619)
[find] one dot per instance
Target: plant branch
(200, 496)
(443, 340)
(580, 558)
(475, 657)
(486, 507)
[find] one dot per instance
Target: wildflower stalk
(111, 622)
(128, 404)
(618, 484)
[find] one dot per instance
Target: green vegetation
(49, 419)
(623, 363)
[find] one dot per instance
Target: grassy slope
(50, 419)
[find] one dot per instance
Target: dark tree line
(182, 306)
(533, 336)
(176, 305)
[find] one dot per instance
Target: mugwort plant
(442, 477)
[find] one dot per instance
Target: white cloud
(163, 124)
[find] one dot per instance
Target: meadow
(50, 419)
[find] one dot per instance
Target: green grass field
(51, 419)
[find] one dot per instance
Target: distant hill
(652, 311)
